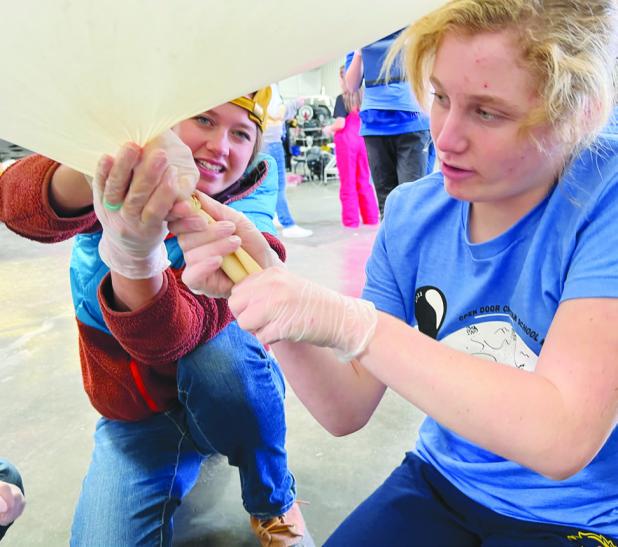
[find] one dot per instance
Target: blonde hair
(569, 46)
(352, 100)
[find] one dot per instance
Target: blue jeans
(275, 149)
(9, 473)
(231, 401)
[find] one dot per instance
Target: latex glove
(278, 305)
(179, 155)
(12, 503)
(204, 245)
(146, 186)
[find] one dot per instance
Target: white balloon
(80, 77)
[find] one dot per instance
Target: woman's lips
(208, 173)
(455, 173)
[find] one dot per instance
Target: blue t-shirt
(496, 300)
(388, 108)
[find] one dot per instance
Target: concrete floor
(47, 422)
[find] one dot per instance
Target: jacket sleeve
(275, 245)
(25, 207)
(174, 323)
(168, 327)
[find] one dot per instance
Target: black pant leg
(412, 151)
(382, 157)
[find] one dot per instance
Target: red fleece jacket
(132, 374)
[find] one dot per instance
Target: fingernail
(103, 162)
(160, 161)
(234, 239)
(226, 226)
(213, 262)
(131, 149)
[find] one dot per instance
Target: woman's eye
(439, 97)
(203, 120)
(486, 116)
(243, 135)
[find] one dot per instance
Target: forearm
(168, 326)
(70, 193)
(516, 414)
(340, 396)
(132, 294)
(25, 203)
(338, 124)
(354, 74)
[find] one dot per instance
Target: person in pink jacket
(356, 191)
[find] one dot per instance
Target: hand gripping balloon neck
(238, 264)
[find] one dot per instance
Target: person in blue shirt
(491, 300)
(395, 130)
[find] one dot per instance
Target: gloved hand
(12, 503)
(205, 244)
(278, 305)
(179, 156)
(133, 195)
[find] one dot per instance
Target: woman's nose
(218, 143)
(450, 135)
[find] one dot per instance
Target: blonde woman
(491, 300)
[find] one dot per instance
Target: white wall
(322, 80)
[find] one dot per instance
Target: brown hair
(257, 146)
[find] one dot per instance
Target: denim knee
(233, 368)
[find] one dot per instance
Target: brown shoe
(285, 530)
